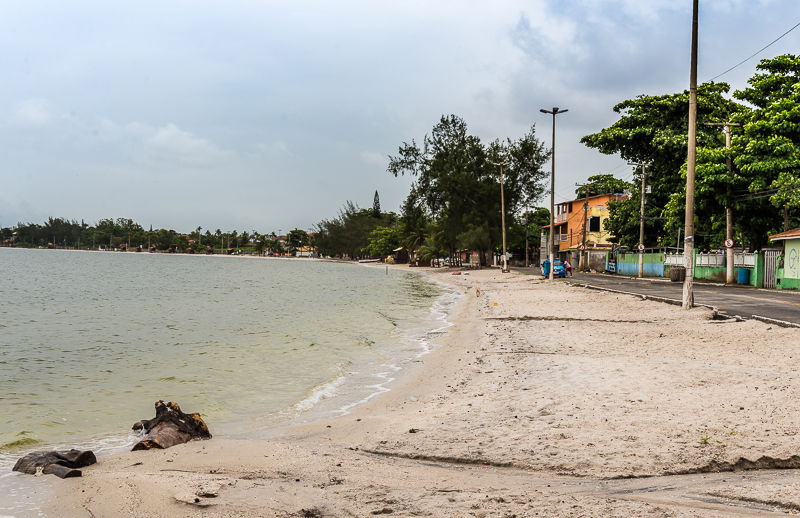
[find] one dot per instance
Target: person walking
(568, 267)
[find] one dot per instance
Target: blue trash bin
(743, 276)
(546, 268)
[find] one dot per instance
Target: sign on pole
(729, 243)
(641, 247)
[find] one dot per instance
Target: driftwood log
(62, 464)
(170, 427)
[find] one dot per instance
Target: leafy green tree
(348, 234)
(767, 153)
(414, 224)
(601, 184)
(295, 239)
(458, 182)
(652, 129)
(384, 240)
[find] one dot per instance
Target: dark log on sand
(170, 427)
(62, 464)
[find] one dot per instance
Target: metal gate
(770, 265)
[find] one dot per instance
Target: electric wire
(757, 52)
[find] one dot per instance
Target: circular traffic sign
(729, 243)
(641, 247)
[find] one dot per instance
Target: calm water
(89, 340)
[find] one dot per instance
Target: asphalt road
(745, 302)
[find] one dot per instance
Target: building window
(594, 224)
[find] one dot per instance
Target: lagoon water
(89, 340)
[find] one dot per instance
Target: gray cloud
(270, 115)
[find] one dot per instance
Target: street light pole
(502, 212)
(551, 244)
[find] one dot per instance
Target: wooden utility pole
(503, 218)
(502, 212)
(729, 278)
(691, 164)
(581, 257)
(641, 220)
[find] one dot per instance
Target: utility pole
(691, 164)
(525, 222)
(726, 128)
(581, 261)
(641, 220)
(551, 245)
(502, 212)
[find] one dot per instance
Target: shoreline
(541, 399)
(303, 411)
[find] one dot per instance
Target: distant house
(788, 267)
(580, 225)
(305, 251)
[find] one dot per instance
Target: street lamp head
(555, 111)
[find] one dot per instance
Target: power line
(757, 52)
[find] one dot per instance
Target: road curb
(781, 323)
(666, 300)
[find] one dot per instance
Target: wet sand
(541, 400)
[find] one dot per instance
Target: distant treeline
(126, 233)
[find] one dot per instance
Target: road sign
(581, 247)
(641, 247)
(729, 243)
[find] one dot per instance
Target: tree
(457, 182)
(384, 240)
(376, 206)
(295, 239)
(414, 224)
(767, 153)
(602, 184)
(348, 234)
(653, 130)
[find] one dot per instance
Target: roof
(611, 194)
(789, 234)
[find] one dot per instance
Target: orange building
(580, 225)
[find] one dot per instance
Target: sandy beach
(541, 400)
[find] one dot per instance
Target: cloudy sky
(267, 114)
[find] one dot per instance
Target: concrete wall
(710, 273)
(791, 259)
(788, 277)
(628, 264)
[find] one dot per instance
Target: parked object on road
(677, 273)
(170, 427)
(62, 464)
(559, 270)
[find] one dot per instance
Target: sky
(268, 115)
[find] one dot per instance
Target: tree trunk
(170, 427)
(62, 464)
